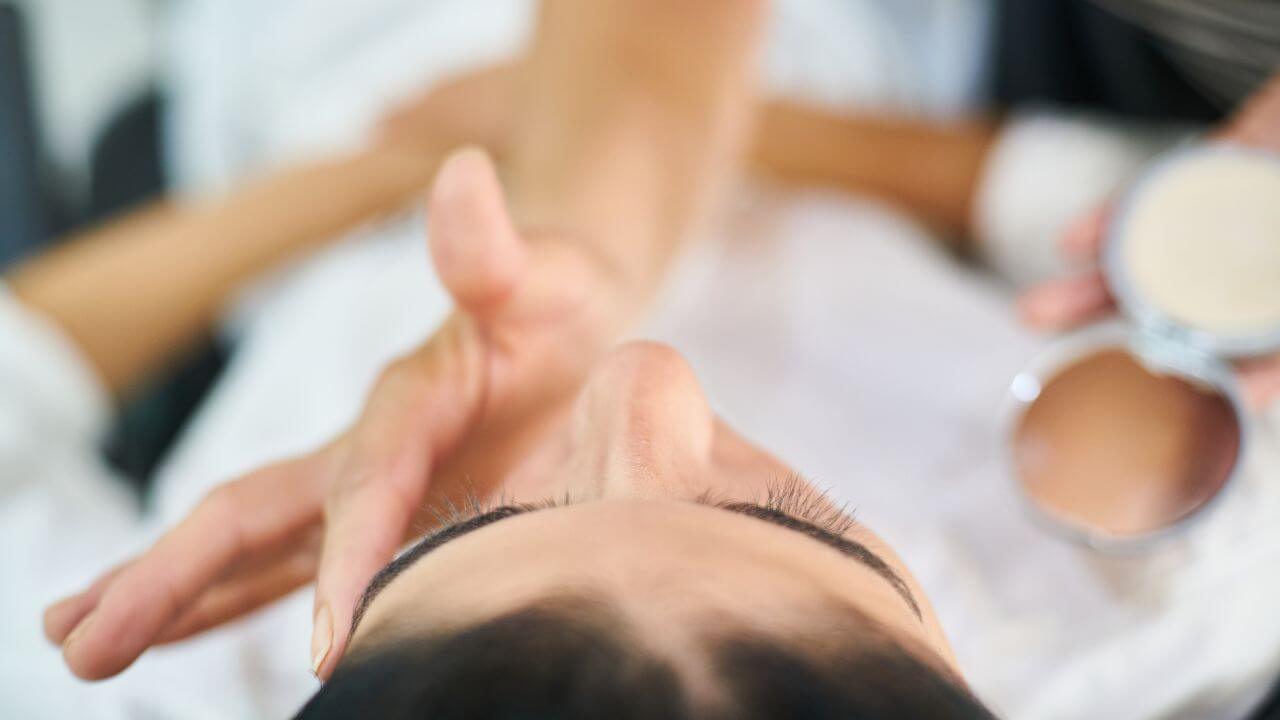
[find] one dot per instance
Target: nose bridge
(644, 424)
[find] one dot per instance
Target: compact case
(1140, 425)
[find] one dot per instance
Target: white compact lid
(1208, 304)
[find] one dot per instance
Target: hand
(1069, 302)
(448, 419)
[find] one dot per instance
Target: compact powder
(1114, 447)
(1202, 242)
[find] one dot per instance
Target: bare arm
(928, 168)
(630, 111)
(618, 150)
(136, 290)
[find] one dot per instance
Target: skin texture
(638, 450)
(792, 145)
(1073, 301)
(614, 161)
(136, 291)
(456, 413)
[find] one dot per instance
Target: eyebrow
(849, 548)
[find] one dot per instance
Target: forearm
(139, 289)
(928, 168)
(630, 112)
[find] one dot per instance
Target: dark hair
(574, 659)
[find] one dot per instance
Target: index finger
(364, 531)
(419, 407)
(366, 520)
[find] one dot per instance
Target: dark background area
(126, 171)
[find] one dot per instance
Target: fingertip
(474, 245)
(62, 616)
(470, 158)
(114, 633)
(322, 642)
(78, 652)
(466, 175)
(331, 621)
(330, 636)
(340, 584)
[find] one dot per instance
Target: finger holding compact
(1191, 252)
(1157, 408)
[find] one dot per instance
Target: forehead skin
(665, 561)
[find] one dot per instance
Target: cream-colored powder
(1202, 243)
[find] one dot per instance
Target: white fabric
(924, 57)
(880, 376)
(258, 85)
(887, 397)
(62, 520)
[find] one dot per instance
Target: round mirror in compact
(1126, 433)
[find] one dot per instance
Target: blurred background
(80, 114)
(81, 104)
(87, 102)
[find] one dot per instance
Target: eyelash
(791, 495)
(794, 496)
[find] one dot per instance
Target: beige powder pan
(1128, 432)
(1193, 252)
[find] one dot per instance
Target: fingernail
(79, 630)
(321, 638)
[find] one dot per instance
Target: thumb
(475, 247)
